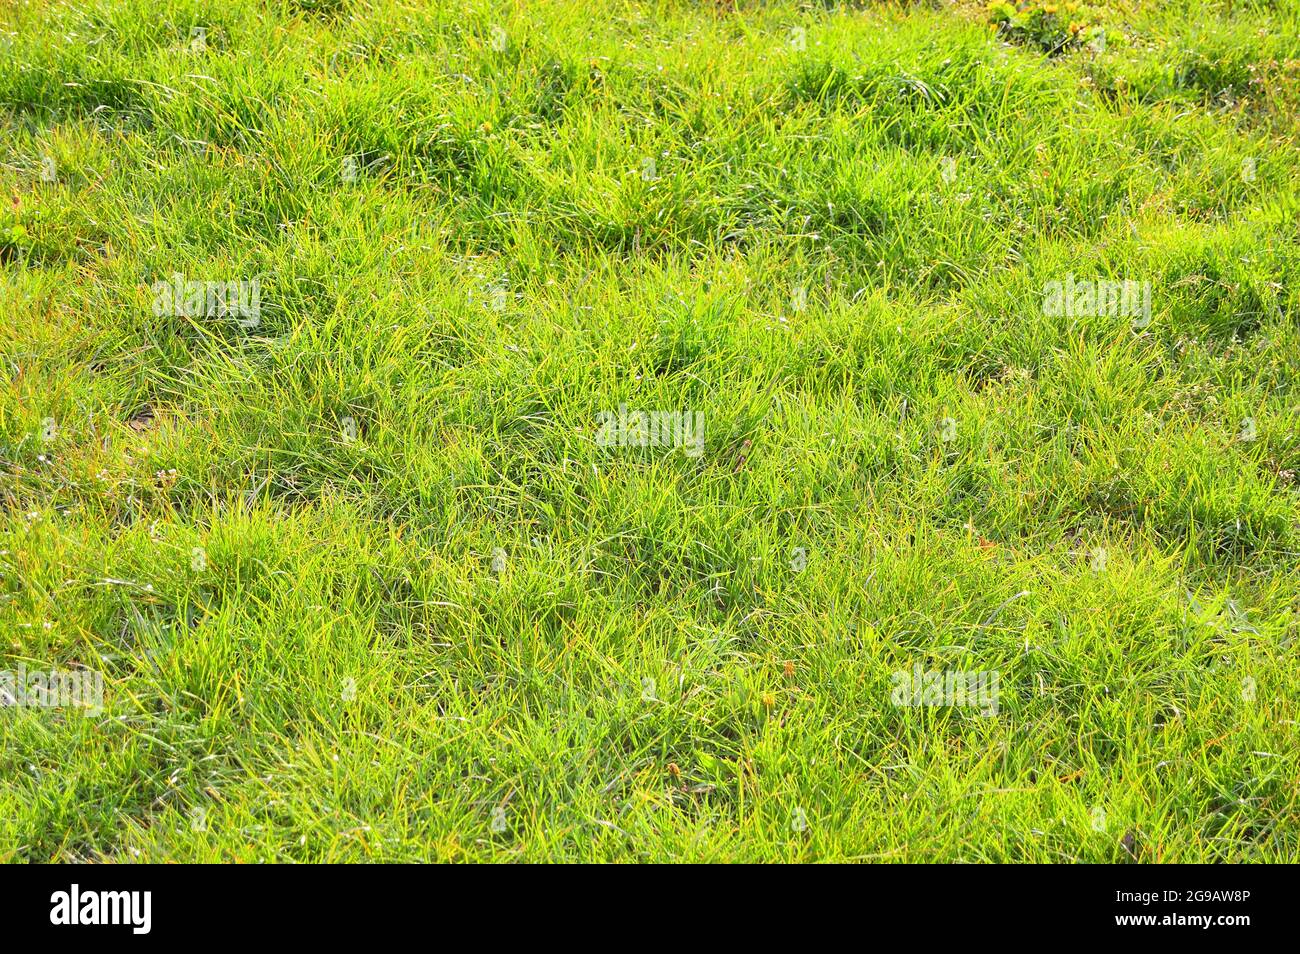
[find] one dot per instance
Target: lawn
(667, 431)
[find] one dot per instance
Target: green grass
(349, 670)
